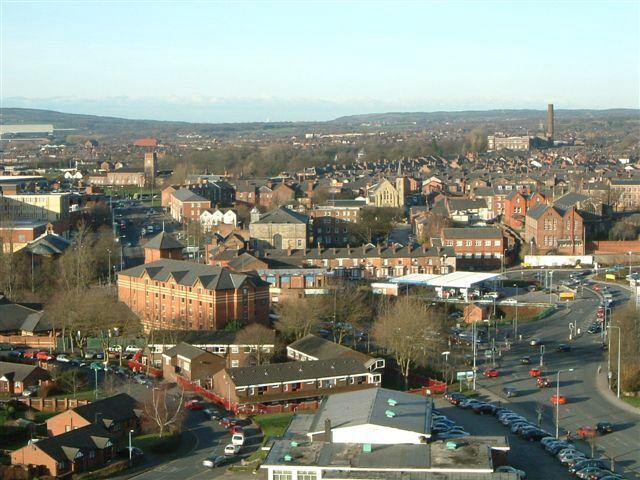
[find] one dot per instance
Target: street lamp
(109, 251)
(630, 262)
(130, 447)
(446, 361)
(558, 399)
(609, 373)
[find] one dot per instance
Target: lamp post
(109, 252)
(446, 364)
(558, 399)
(630, 262)
(515, 323)
(609, 373)
(550, 286)
(130, 447)
(475, 346)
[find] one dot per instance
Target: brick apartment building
(368, 261)
(550, 229)
(516, 206)
(191, 363)
(480, 247)
(186, 206)
(174, 294)
(292, 382)
(332, 222)
(625, 193)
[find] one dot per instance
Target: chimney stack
(550, 121)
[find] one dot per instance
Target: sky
(231, 61)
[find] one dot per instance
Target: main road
(579, 379)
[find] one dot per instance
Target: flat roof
(415, 278)
(459, 279)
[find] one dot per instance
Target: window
(306, 475)
(235, 363)
(282, 475)
(234, 349)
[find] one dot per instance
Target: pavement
(589, 402)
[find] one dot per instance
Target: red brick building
(480, 247)
(550, 229)
(332, 221)
(186, 206)
(181, 295)
(516, 206)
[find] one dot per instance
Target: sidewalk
(603, 388)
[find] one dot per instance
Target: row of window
(478, 243)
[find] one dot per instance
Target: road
(586, 405)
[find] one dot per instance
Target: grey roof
(48, 244)
(67, 445)
(466, 203)
(323, 349)
(571, 199)
(342, 203)
(282, 215)
(19, 371)
(473, 232)
(15, 317)
(188, 273)
(625, 181)
(186, 350)
(537, 210)
(186, 195)
(292, 371)
(413, 412)
(116, 408)
(164, 241)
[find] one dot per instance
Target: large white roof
(415, 278)
(457, 279)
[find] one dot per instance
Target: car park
(214, 461)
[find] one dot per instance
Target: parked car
(132, 349)
(587, 432)
(570, 459)
(96, 366)
(30, 391)
(588, 463)
(483, 409)
(237, 439)
(535, 372)
(590, 473)
(594, 328)
(491, 373)
(232, 449)
(194, 405)
(536, 342)
(63, 358)
(30, 354)
(214, 461)
(604, 427)
(525, 360)
(89, 355)
(510, 392)
(507, 469)
(558, 399)
(44, 356)
(228, 422)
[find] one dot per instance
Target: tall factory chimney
(550, 122)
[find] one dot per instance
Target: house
(551, 229)
(16, 377)
(24, 325)
(117, 414)
(477, 247)
(74, 451)
(517, 204)
(311, 348)
(282, 228)
(186, 206)
(211, 218)
(249, 388)
(182, 295)
(191, 363)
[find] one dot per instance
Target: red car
(44, 356)
(535, 372)
(558, 399)
(236, 429)
(596, 287)
(491, 372)
(194, 405)
(228, 422)
(30, 354)
(587, 432)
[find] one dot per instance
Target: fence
(52, 404)
(141, 367)
(31, 341)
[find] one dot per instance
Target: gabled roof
(66, 446)
(48, 244)
(537, 210)
(186, 350)
(163, 241)
(18, 372)
(186, 195)
(13, 315)
(189, 273)
(282, 215)
(116, 408)
(322, 349)
(570, 199)
(295, 371)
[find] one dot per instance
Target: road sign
(464, 375)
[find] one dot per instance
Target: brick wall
(612, 246)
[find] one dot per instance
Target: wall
(610, 246)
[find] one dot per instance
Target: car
(536, 342)
(236, 429)
(548, 441)
(456, 399)
(543, 382)
(510, 392)
(232, 449)
(554, 448)
(484, 408)
(594, 328)
(563, 347)
(228, 422)
(507, 421)
(237, 439)
(469, 403)
(558, 399)
(588, 463)
(63, 358)
(30, 391)
(135, 452)
(213, 414)
(507, 469)
(596, 287)
(214, 461)
(587, 432)
(525, 360)
(44, 356)
(132, 349)
(535, 372)
(591, 473)
(454, 433)
(604, 427)
(90, 355)
(570, 459)
(30, 354)
(96, 366)
(533, 434)
(612, 476)
(194, 404)
(491, 373)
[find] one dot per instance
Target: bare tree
(350, 308)
(71, 380)
(164, 410)
(260, 339)
(298, 317)
(410, 331)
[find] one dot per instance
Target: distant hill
(99, 126)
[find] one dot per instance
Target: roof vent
(392, 402)
(288, 458)
(390, 413)
(366, 448)
(294, 444)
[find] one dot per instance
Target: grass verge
(633, 401)
(151, 442)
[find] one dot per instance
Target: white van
(237, 439)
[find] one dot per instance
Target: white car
(30, 391)
(232, 449)
(506, 469)
(132, 349)
(63, 358)
(237, 439)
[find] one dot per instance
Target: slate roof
(295, 371)
(19, 371)
(186, 195)
(570, 199)
(67, 445)
(323, 349)
(472, 232)
(368, 406)
(537, 210)
(185, 350)
(625, 181)
(188, 273)
(14, 317)
(282, 215)
(116, 408)
(457, 204)
(48, 244)
(164, 241)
